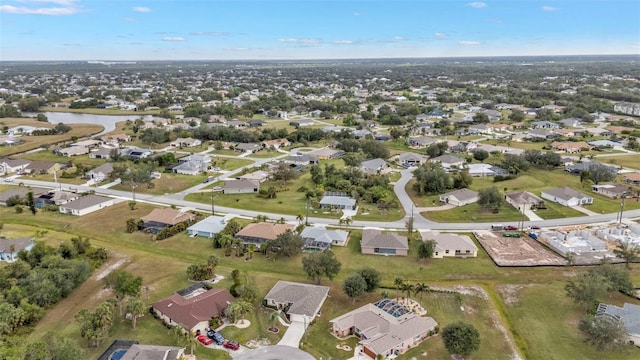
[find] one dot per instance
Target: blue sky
(312, 29)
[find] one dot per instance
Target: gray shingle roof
(86, 201)
(565, 193)
(375, 238)
(628, 313)
(306, 299)
(338, 201)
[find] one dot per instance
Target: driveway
(277, 352)
(293, 335)
(585, 211)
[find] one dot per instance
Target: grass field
(630, 161)
(474, 213)
(34, 142)
(168, 183)
(265, 153)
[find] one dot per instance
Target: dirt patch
(522, 251)
(509, 293)
(120, 260)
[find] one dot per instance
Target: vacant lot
(522, 251)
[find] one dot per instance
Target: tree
(601, 173)
(461, 338)
(288, 244)
(480, 118)
(515, 164)
(586, 288)
(55, 348)
(94, 326)
(420, 288)
(132, 225)
(431, 179)
(31, 203)
(42, 118)
(398, 281)
(462, 179)
(136, 308)
(354, 286)
(240, 308)
(604, 332)
(371, 277)
(318, 264)
(480, 154)
(284, 172)
(406, 288)
(490, 198)
(123, 284)
(516, 116)
(426, 249)
(628, 251)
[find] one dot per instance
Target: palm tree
(406, 288)
(340, 223)
(348, 221)
(241, 308)
(272, 318)
(12, 249)
(136, 307)
(419, 289)
(398, 281)
(185, 337)
(300, 218)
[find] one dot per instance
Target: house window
(446, 251)
(468, 251)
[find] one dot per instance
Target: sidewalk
(585, 211)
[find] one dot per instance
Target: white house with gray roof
(450, 245)
(374, 166)
(337, 202)
(567, 196)
(319, 238)
(448, 161)
(384, 327)
(86, 204)
(375, 242)
(460, 197)
(300, 302)
(241, 186)
(629, 314)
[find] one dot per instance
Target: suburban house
(326, 153)
(276, 143)
(241, 186)
(421, 141)
(100, 173)
(301, 122)
(299, 302)
(604, 144)
(481, 170)
(337, 202)
(24, 130)
(208, 227)
(192, 308)
(409, 159)
(571, 122)
(9, 248)
(43, 167)
(632, 178)
(318, 238)
(612, 191)
(86, 204)
(101, 153)
(301, 160)
(247, 147)
(629, 314)
(460, 197)
(73, 151)
(375, 242)
(135, 153)
(384, 327)
(116, 139)
(192, 165)
(55, 197)
(374, 166)
(567, 196)
(256, 176)
(524, 200)
(186, 142)
(544, 125)
(159, 219)
(19, 192)
(578, 168)
(132, 350)
(448, 161)
(570, 146)
(258, 233)
(12, 166)
(450, 245)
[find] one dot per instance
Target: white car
(8, 179)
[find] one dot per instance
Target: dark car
(215, 336)
(534, 227)
(510, 227)
(230, 344)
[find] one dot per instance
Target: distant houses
(9, 248)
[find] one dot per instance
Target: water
(108, 121)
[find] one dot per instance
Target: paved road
(277, 352)
(419, 223)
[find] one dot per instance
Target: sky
(313, 29)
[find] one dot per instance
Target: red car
(204, 339)
(511, 227)
(230, 344)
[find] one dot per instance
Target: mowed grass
(34, 142)
(630, 161)
(168, 183)
(547, 322)
(474, 213)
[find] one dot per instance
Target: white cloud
(343, 42)
(52, 11)
(210, 33)
(478, 4)
(550, 8)
(237, 49)
(173, 38)
(399, 38)
(141, 9)
(440, 35)
(469, 43)
(301, 40)
(356, 14)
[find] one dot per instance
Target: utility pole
(306, 217)
(212, 206)
(621, 210)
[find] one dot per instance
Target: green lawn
(230, 163)
(557, 211)
(265, 153)
(168, 183)
(474, 213)
(225, 152)
(631, 161)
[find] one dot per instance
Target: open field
(265, 153)
(168, 183)
(628, 161)
(530, 321)
(522, 251)
(34, 142)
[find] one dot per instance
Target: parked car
(204, 340)
(208, 179)
(510, 227)
(534, 227)
(215, 336)
(230, 344)
(8, 180)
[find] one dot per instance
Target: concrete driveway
(277, 352)
(293, 335)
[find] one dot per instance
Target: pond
(108, 121)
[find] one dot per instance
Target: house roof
(628, 313)
(211, 224)
(19, 244)
(449, 241)
(461, 194)
(240, 184)
(613, 188)
(264, 230)
(256, 175)
(106, 168)
(86, 201)
(337, 201)
(381, 329)
(167, 216)
(324, 152)
(41, 165)
(320, 234)
(190, 311)
(406, 156)
(373, 164)
(565, 193)
(305, 299)
(15, 162)
(448, 159)
(375, 238)
(20, 192)
(523, 197)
